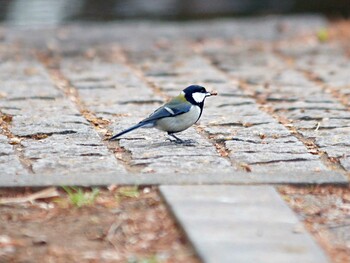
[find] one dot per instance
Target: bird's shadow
(169, 142)
(166, 142)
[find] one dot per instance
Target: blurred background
(55, 12)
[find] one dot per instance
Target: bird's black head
(196, 94)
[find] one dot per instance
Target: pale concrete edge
(179, 224)
(103, 179)
(317, 246)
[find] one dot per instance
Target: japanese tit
(177, 115)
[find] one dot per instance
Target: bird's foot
(188, 142)
(182, 142)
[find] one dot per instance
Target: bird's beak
(211, 93)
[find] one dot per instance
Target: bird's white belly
(180, 122)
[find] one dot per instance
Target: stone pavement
(282, 115)
(235, 224)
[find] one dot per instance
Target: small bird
(177, 115)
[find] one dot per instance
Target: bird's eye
(203, 90)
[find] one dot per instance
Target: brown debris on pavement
(122, 225)
(325, 211)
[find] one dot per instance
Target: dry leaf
(246, 167)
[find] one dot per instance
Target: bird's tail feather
(140, 124)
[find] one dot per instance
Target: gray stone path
(241, 224)
(68, 144)
(281, 117)
(309, 106)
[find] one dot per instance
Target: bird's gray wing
(168, 110)
(171, 109)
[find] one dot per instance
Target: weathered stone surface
(126, 87)
(314, 112)
(16, 90)
(317, 114)
(241, 224)
(34, 121)
(79, 37)
(72, 153)
(333, 222)
(335, 141)
(120, 178)
(297, 166)
(132, 97)
(62, 141)
(261, 155)
(264, 150)
(122, 79)
(5, 147)
(10, 165)
(236, 119)
(161, 156)
(345, 162)
(328, 62)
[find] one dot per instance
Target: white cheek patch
(198, 97)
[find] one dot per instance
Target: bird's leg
(178, 140)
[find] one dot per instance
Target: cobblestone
(130, 96)
(56, 138)
(315, 114)
(10, 164)
(70, 39)
(329, 65)
(254, 126)
(281, 116)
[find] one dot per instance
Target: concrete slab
(85, 178)
(241, 224)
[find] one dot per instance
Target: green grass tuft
(79, 198)
(128, 191)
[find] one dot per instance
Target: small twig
(46, 193)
